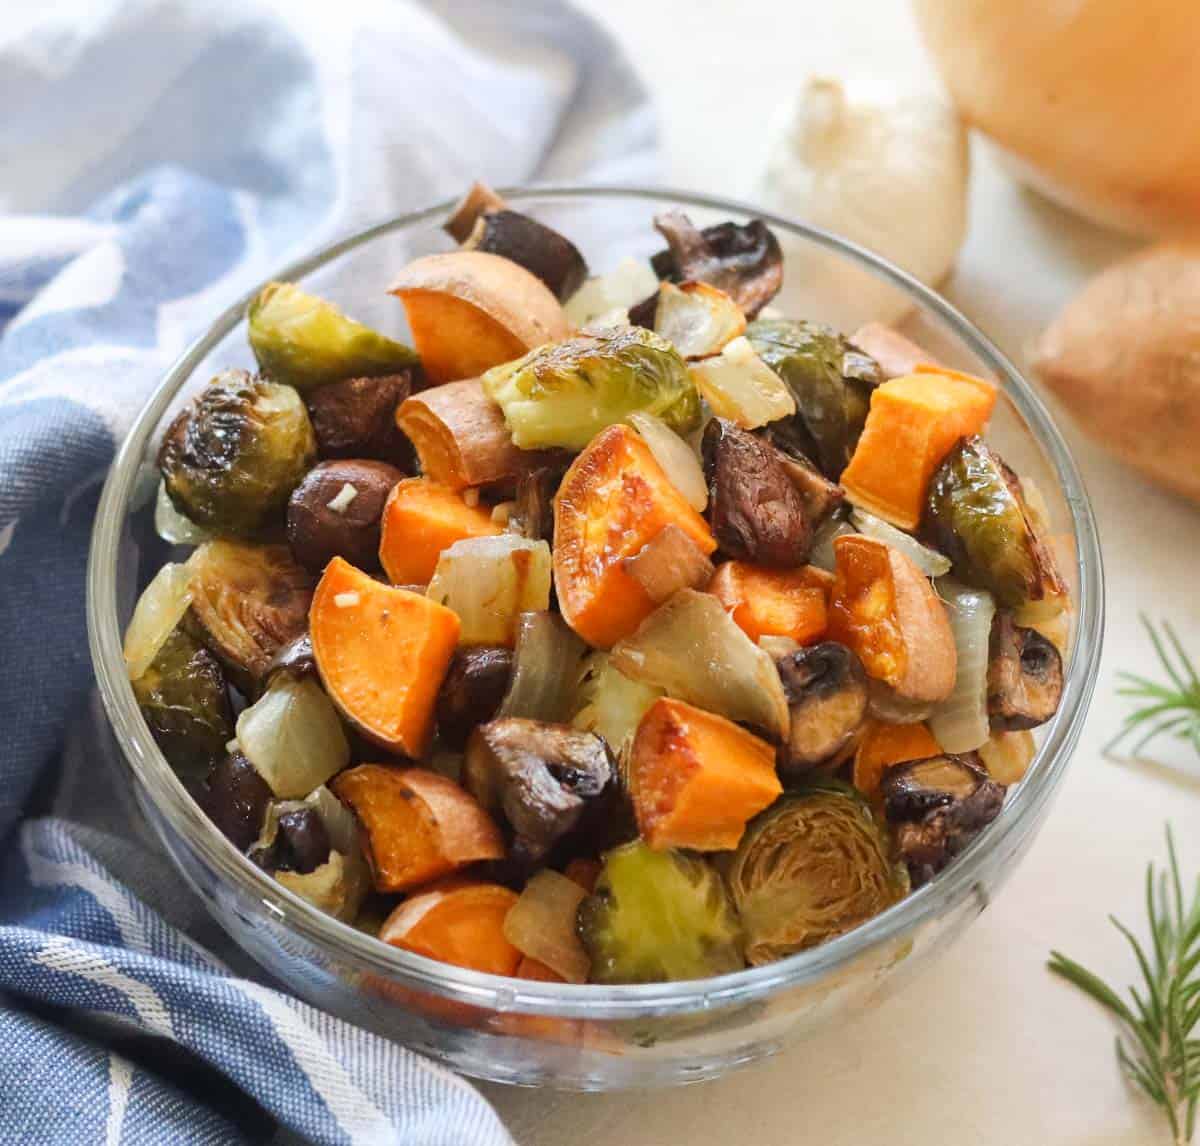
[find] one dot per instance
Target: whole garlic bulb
(886, 168)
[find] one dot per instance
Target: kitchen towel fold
(157, 158)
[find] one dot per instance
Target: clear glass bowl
(588, 1037)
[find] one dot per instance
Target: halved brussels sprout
(305, 341)
(658, 916)
(565, 393)
(182, 695)
(812, 866)
(248, 601)
(230, 460)
(976, 515)
(830, 380)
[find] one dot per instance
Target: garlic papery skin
(884, 167)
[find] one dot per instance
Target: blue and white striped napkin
(157, 158)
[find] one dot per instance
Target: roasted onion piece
(813, 866)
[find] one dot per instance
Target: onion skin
(1124, 356)
(1098, 102)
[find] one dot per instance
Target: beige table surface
(986, 1048)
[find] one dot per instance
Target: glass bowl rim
(346, 945)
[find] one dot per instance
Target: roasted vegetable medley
(622, 629)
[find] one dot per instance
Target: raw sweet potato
(885, 744)
(462, 439)
(774, 602)
(911, 426)
(415, 825)
(697, 778)
(612, 501)
(469, 311)
(885, 610)
(421, 518)
(459, 922)
(382, 654)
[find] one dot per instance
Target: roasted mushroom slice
(1025, 676)
(826, 689)
(471, 692)
(548, 780)
(742, 259)
(335, 512)
(541, 250)
(937, 806)
(230, 460)
(295, 658)
(356, 418)
(820, 496)
(532, 514)
(248, 601)
(301, 842)
(236, 799)
(756, 512)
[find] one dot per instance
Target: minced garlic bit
(346, 600)
(502, 512)
(343, 498)
(471, 496)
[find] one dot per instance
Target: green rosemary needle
(1157, 1047)
(1172, 707)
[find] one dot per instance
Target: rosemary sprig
(1172, 707)
(1157, 1047)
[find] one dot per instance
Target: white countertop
(986, 1048)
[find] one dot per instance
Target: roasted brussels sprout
(976, 515)
(248, 601)
(830, 380)
(1025, 676)
(471, 692)
(937, 806)
(826, 689)
(183, 697)
(541, 250)
(305, 341)
(230, 460)
(565, 393)
(300, 843)
(550, 781)
(742, 259)
(756, 512)
(813, 866)
(335, 512)
(658, 916)
(236, 799)
(356, 418)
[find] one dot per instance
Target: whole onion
(1096, 102)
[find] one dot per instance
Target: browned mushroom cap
(301, 842)
(543, 777)
(532, 514)
(471, 692)
(826, 690)
(937, 806)
(541, 250)
(1025, 677)
(236, 798)
(295, 658)
(478, 199)
(356, 418)
(819, 495)
(742, 259)
(755, 510)
(335, 512)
